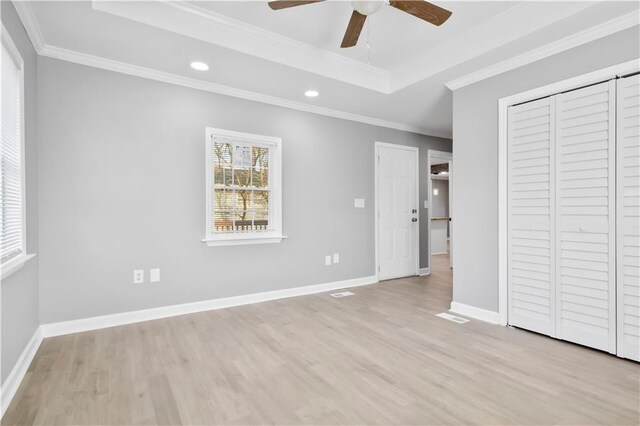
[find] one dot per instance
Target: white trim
(106, 321)
(601, 75)
(12, 49)
(436, 177)
(473, 312)
(14, 265)
(30, 23)
(203, 24)
(586, 36)
(508, 26)
(244, 239)
(16, 375)
(165, 77)
(376, 212)
(424, 271)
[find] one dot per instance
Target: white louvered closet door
(628, 208)
(531, 251)
(585, 216)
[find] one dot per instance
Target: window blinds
(11, 196)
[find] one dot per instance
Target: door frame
(615, 71)
(376, 211)
(441, 155)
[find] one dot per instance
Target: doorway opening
(439, 223)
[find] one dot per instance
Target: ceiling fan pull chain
(368, 45)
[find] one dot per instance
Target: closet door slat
(585, 159)
(531, 252)
(628, 220)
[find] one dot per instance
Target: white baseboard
(424, 271)
(11, 384)
(105, 321)
(473, 312)
(442, 252)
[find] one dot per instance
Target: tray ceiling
(275, 56)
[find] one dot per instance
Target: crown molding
(28, 19)
(165, 77)
(202, 24)
(26, 15)
(612, 26)
(512, 24)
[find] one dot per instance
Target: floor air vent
(341, 294)
(452, 318)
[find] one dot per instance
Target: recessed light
(199, 66)
(311, 93)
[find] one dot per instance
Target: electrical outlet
(336, 258)
(327, 260)
(359, 203)
(138, 276)
(154, 275)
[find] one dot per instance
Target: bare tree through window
(241, 188)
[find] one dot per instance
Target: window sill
(14, 265)
(239, 240)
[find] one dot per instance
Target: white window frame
(14, 264)
(274, 234)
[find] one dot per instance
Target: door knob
(414, 220)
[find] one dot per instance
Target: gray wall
(441, 201)
(20, 290)
(122, 188)
(475, 156)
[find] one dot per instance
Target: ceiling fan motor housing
(367, 7)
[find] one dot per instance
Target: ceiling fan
(361, 9)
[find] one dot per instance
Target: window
(243, 188)
(12, 213)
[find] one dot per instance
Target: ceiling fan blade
(285, 4)
(423, 10)
(353, 29)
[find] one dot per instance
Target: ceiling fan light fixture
(367, 7)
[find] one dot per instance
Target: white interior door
(531, 288)
(585, 216)
(628, 221)
(397, 201)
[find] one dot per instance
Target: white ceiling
(394, 37)
(277, 55)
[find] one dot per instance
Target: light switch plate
(138, 276)
(359, 203)
(336, 258)
(327, 260)
(154, 275)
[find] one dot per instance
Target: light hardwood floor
(379, 357)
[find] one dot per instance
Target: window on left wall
(244, 188)
(13, 252)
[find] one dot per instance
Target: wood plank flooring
(379, 357)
